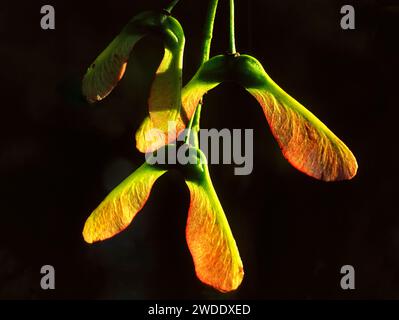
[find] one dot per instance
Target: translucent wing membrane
(210, 75)
(109, 67)
(165, 95)
(106, 71)
(119, 208)
(304, 140)
(209, 238)
(149, 138)
(193, 93)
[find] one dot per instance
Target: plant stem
(208, 31)
(188, 139)
(193, 126)
(170, 7)
(196, 126)
(232, 42)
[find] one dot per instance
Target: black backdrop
(60, 156)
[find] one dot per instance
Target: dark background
(60, 156)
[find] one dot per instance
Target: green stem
(232, 38)
(206, 49)
(170, 7)
(208, 32)
(189, 129)
(196, 125)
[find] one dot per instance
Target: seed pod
(165, 95)
(304, 140)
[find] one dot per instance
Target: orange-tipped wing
(304, 140)
(119, 208)
(209, 238)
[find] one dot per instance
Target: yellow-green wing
(119, 208)
(108, 68)
(209, 76)
(165, 95)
